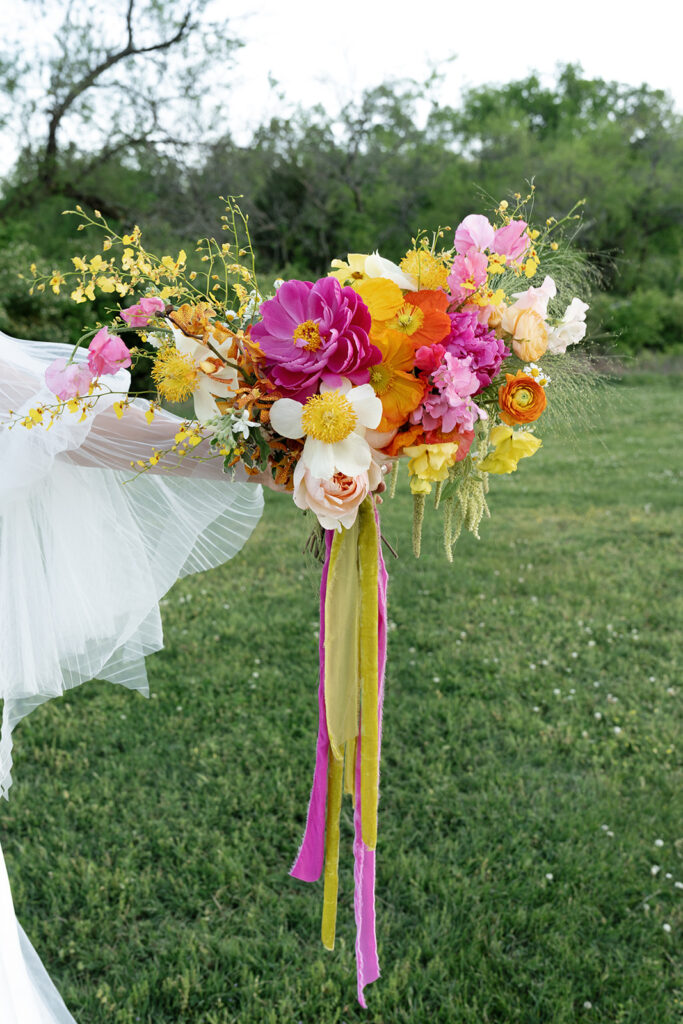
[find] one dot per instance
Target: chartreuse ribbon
(352, 655)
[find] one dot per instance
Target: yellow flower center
(523, 397)
(409, 319)
(380, 377)
(309, 334)
(174, 374)
(329, 417)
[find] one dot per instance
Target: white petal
(217, 386)
(188, 346)
(378, 266)
(205, 407)
(366, 404)
(285, 417)
(318, 457)
(352, 455)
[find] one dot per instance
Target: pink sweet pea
(474, 232)
(68, 381)
(467, 274)
(511, 240)
(141, 314)
(107, 353)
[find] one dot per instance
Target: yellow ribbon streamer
(331, 882)
(351, 691)
(342, 640)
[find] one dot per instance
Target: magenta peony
(107, 353)
(141, 314)
(68, 381)
(313, 333)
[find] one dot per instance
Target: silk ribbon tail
(367, 961)
(308, 865)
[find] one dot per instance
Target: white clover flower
(655, 869)
(666, 928)
(659, 842)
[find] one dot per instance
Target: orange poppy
(395, 385)
(423, 318)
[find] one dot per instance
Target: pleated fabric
(86, 552)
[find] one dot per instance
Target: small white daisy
(532, 370)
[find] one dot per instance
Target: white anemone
(334, 424)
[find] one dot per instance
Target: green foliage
(530, 729)
(316, 187)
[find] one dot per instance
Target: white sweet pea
(215, 380)
(571, 330)
(378, 266)
(333, 423)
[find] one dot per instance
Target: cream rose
(335, 502)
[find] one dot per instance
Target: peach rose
(521, 399)
(527, 330)
(335, 501)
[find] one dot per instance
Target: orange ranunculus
(521, 399)
(397, 388)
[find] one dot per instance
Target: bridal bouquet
(448, 360)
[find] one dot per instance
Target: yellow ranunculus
(510, 447)
(429, 463)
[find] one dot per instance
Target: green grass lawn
(530, 861)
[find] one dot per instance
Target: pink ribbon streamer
(367, 962)
(308, 865)
(310, 858)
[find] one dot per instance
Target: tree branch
(129, 50)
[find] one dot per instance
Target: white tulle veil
(86, 552)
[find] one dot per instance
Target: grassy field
(530, 865)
